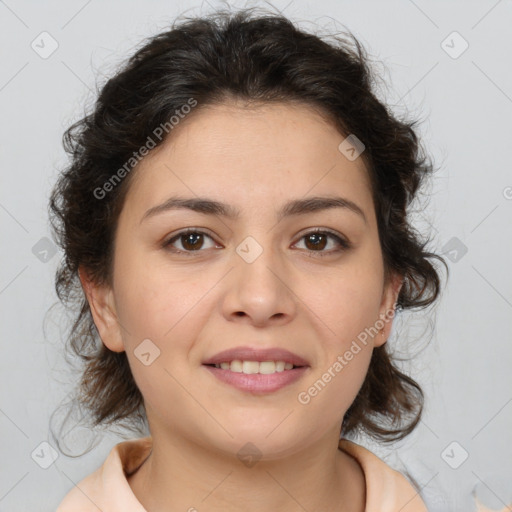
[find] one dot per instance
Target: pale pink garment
(107, 489)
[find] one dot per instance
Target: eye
(317, 240)
(191, 240)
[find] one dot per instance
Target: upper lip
(256, 354)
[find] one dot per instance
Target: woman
(234, 221)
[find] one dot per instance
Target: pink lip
(256, 382)
(260, 355)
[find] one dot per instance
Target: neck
(179, 475)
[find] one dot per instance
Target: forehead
(243, 153)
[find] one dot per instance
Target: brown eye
(316, 241)
(191, 240)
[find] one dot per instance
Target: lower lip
(257, 382)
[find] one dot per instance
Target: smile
(256, 377)
(256, 370)
(252, 367)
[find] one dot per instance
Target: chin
(262, 440)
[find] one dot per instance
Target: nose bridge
(258, 282)
(259, 262)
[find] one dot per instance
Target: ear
(102, 305)
(387, 308)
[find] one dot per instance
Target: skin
(192, 307)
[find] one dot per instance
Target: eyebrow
(294, 207)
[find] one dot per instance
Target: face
(300, 285)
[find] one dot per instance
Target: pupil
(194, 237)
(317, 244)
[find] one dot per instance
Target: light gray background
(466, 104)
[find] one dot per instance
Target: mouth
(255, 367)
(255, 370)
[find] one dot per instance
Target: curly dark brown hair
(259, 59)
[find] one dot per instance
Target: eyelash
(345, 244)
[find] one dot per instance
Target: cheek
(347, 304)
(345, 358)
(154, 302)
(348, 300)
(331, 391)
(159, 318)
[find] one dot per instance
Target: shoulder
(387, 490)
(84, 496)
(107, 488)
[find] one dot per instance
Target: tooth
(236, 366)
(267, 367)
(253, 367)
(250, 367)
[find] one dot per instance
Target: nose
(259, 291)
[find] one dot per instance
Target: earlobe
(103, 311)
